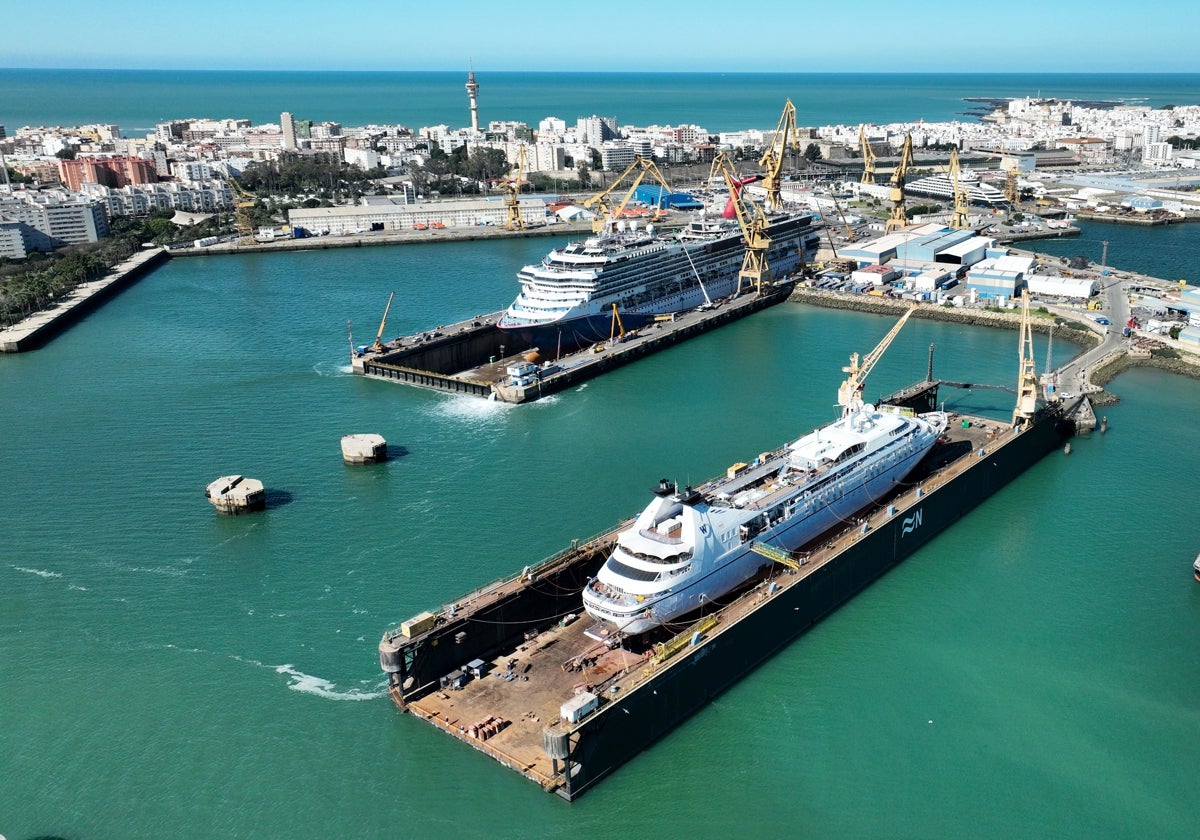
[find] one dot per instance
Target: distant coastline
(137, 99)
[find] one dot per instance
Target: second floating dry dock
(476, 357)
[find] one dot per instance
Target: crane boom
(850, 392)
(512, 192)
(898, 217)
(378, 345)
(959, 220)
(868, 176)
(753, 223)
(772, 158)
(607, 214)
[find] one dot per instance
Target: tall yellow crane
(753, 223)
(242, 204)
(772, 159)
(606, 213)
(1010, 187)
(898, 217)
(512, 192)
(1027, 384)
(868, 176)
(378, 345)
(850, 391)
(959, 220)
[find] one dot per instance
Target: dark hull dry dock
(474, 357)
(510, 670)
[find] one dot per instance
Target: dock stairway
(776, 554)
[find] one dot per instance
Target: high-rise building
(472, 93)
(288, 125)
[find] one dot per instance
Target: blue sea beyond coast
(165, 672)
(137, 99)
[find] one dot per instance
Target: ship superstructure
(693, 546)
(567, 299)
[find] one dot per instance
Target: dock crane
(868, 176)
(1027, 383)
(959, 220)
(850, 391)
(753, 223)
(607, 213)
(512, 191)
(242, 204)
(772, 159)
(378, 345)
(898, 217)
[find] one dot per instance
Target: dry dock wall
(626, 725)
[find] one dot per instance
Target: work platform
(512, 671)
(477, 358)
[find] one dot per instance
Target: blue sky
(652, 35)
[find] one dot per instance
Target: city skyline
(1069, 36)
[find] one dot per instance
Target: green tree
(812, 153)
(585, 175)
(66, 153)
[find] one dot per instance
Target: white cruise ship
(690, 547)
(942, 186)
(566, 300)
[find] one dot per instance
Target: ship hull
(742, 564)
(622, 729)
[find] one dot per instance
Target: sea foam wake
(324, 688)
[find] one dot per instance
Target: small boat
(1196, 568)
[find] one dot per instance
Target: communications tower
(472, 92)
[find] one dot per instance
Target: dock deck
(514, 705)
(472, 356)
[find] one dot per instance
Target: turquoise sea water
(166, 672)
(137, 99)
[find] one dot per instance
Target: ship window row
(649, 558)
(619, 568)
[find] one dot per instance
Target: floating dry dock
(478, 358)
(510, 669)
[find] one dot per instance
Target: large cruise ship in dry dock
(567, 300)
(693, 546)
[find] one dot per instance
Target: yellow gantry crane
(1027, 384)
(959, 220)
(868, 176)
(898, 217)
(753, 223)
(606, 213)
(242, 204)
(512, 191)
(772, 159)
(850, 391)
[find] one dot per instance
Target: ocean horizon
(138, 99)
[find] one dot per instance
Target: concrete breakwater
(386, 237)
(931, 312)
(40, 327)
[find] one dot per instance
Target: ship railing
(651, 534)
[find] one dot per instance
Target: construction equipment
(613, 335)
(772, 159)
(898, 217)
(850, 391)
(512, 184)
(868, 176)
(1027, 383)
(378, 345)
(1010, 187)
(242, 205)
(608, 214)
(959, 220)
(838, 207)
(753, 223)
